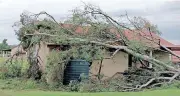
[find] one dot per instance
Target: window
(59, 47)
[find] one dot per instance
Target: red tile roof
(78, 29)
(145, 36)
(150, 37)
(158, 39)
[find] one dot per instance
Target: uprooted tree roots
(96, 35)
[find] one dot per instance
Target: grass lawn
(168, 92)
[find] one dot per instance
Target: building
(15, 51)
(176, 50)
(5, 53)
(120, 62)
(19, 52)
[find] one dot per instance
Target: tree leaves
(4, 45)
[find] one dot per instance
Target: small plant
(14, 69)
(19, 84)
(174, 85)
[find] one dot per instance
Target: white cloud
(11, 9)
(177, 42)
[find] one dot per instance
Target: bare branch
(115, 53)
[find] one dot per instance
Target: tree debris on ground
(92, 41)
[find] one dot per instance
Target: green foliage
(174, 85)
(138, 46)
(82, 86)
(20, 84)
(2, 60)
(16, 68)
(4, 45)
(87, 52)
(55, 67)
(57, 61)
(113, 85)
(136, 76)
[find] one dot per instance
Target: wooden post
(3, 54)
(150, 65)
(170, 57)
(0, 53)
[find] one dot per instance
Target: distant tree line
(4, 45)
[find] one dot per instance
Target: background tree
(4, 45)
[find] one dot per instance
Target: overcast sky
(164, 13)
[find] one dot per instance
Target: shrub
(18, 83)
(16, 68)
(2, 60)
(54, 69)
(174, 85)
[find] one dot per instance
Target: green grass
(2, 60)
(168, 92)
(20, 84)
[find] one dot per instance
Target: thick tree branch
(138, 55)
(171, 52)
(160, 78)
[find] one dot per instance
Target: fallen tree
(96, 35)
